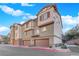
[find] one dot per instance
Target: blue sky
(19, 12)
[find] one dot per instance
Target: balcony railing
(35, 34)
(29, 28)
(45, 22)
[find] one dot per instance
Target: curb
(45, 49)
(52, 50)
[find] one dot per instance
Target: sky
(20, 12)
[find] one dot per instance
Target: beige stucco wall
(55, 29)
(48, 32)
(12, 35)
(18, 32)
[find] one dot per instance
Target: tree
(5, 39)
(72, 34)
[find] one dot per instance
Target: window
(41, 18)
(45, 16)
(37, 31)
(43, 28)
(48, 14)
(27, 25)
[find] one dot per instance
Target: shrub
(63, 46)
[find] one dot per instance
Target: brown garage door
(15, 42)
(26, 42)
(21, 42)
(42, 42)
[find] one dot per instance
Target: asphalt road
(6, 50)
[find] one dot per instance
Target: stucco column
(50, 42)
(31, 42)
(57, 38)
(17, 42)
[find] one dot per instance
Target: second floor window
(27, 25)
(45, 16)
(48, 14)
(41, 18)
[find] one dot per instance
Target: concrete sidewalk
(10, 50)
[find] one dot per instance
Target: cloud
(26, 4)
(32, 17)
(24, 17)
(69, 22)
(22, 22)
(17, 13)
(11, 11)
(4, 29)
(65, 29)
(29, 16)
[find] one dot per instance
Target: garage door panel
(27, 42)
(15, 42)
(42, 42)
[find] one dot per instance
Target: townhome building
(15, 34)
(18, 35)
(11, 35)
(43, 31)
(27, 32)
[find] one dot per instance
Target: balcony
(45, 22)
(35, 33)
(29, 28)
